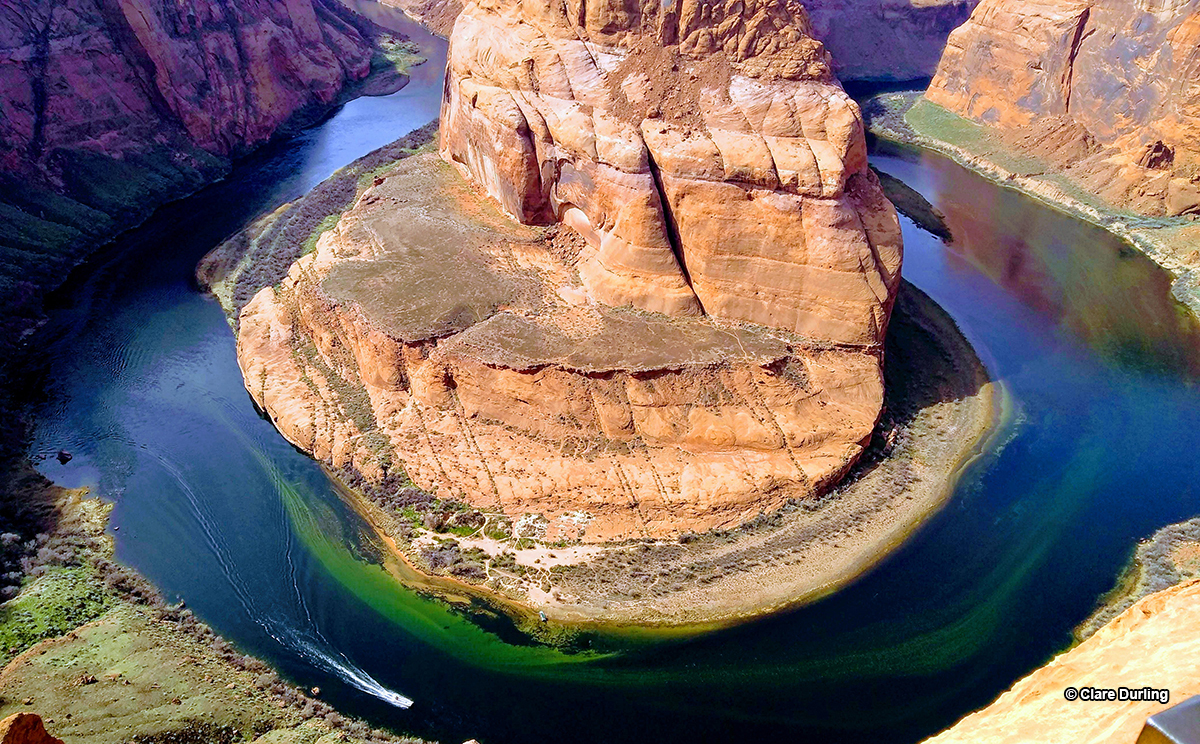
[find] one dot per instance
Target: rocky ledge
(1107, 91)
(1145, 646)
(429, 332)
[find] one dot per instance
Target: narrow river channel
(217, 509)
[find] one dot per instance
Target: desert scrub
(58, 601)
(261, 255)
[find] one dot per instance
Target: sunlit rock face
(1107, 90)
(672, 320)
(704, 150)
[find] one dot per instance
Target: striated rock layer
(121, 79)
(705, 151)
(698, 342)
(1152, 644)
(430, 331)
(110, 108)
(869, 39)
(1107, 90)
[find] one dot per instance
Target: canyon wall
(1105, 90)
(109, 108)
(878, 40)
(886, 40)
(1150, 644)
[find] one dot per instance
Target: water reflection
(1085, 279)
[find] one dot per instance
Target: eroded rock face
(886, 39)
(704, 150)
(1108, 90)
(1150, 644)
(25, 728)
(429, 331)
(87, 86)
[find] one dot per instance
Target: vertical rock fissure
(37, 89)
(1079, 36)
(671, 228)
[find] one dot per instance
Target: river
(218, 510)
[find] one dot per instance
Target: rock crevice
(1106, 93)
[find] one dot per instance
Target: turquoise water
(217, 509)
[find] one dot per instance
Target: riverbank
(942, 411)
(50, 234)
(940, 403)
(1171, 242)
(90, 646)
(1167, 558)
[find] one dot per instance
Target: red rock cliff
(110, 108)
(704, 150)
(1108, 90)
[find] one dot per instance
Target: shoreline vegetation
(92, 647)
(792, 557)
(941, 409)
(1172, 554)
(88, 643)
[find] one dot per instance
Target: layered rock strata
(1149, 645)
(109, 108)
(190, 82)
(697, 339)
(1105, 90)
(869, 39)
(705, 152)
(429, 331)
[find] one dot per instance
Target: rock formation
(708, 156)
(109, 108)
(869, 39)
(1150, 644)
(886, 39)
(25, 728)
(701, 339)
(1107, 90)
(436, 15)
(114, 81)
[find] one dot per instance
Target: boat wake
(318, 652)
(308, 643)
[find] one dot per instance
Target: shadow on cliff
(927, 360)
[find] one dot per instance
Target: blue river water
(217, 509)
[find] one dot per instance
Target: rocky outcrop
(886, 40)
(436, 15)
(685, 331)
(109, 108)
(430, 331)
(1150, 644)
(870, 39)
(25, 728)
(1106, 90)
(705, 152)
(116, 80)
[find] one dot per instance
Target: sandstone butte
(1106, 90)
(869, 39)
(1153, 643)
(699, 342)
